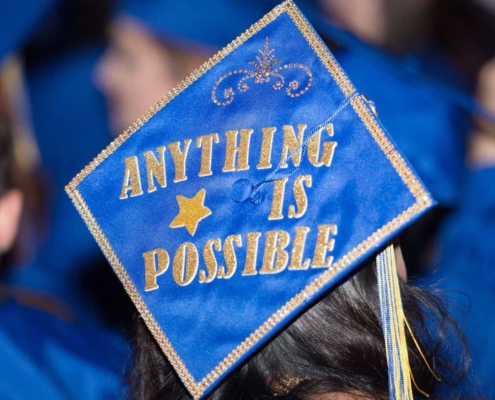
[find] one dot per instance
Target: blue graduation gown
(43, 357)
(467, 267)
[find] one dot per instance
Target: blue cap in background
(195, 22)
(70, 123)
(18, 20)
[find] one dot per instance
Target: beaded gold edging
(423, 201)
(372, 241)
(119, 269)
(320, 49)
(416, 188)
(368, 119)
(194, 76)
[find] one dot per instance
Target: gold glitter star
(191, 212)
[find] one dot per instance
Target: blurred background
(76, 73)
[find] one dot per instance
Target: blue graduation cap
(18, 19)
(250, 190)
(195, 22)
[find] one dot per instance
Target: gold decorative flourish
(191, 212)
(264, 72)
(423, 201)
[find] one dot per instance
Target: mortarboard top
(250, 190)
(18, 19)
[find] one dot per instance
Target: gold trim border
(131, 290)
(423, 201)
(320, 49)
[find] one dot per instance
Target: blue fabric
(18, 20)
(427, 118)
(407, 66)
(70, 124)
(45, 358)
(197, 22)
(467, 266)
(367, 193)
(430, 131)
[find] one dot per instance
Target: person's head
(334, 351)
(155, 44)
(139, 68)
(275, 210)
(10, 197)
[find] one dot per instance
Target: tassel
(392, 314)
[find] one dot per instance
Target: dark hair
(336, 347)
(6, 158)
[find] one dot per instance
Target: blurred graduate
(428, 121)
(67, 120)
(45, 354)
(467, 248)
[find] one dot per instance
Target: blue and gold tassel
(394, 326)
